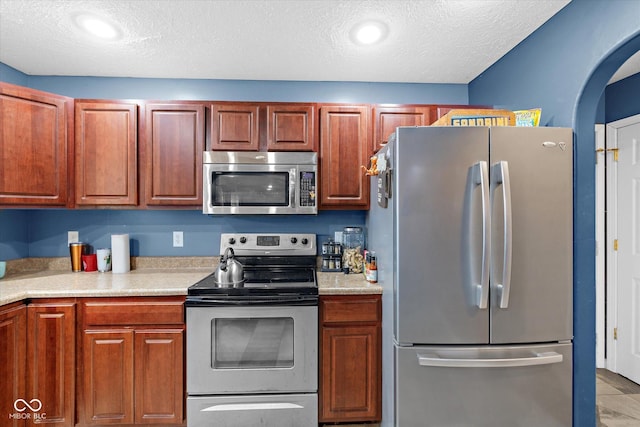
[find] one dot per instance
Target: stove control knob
(294, 240)
(304, 241)
(243, 239)
(232, 241)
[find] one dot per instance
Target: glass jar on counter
(353, 237)
(353, 242)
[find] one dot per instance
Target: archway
(584, 224)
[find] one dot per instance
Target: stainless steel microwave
(241, 182)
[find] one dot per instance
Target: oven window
(245, 343)
(250, 189)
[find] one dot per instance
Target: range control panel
(248, 244)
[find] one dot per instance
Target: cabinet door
(387, 119)
(235, 127)
(108, 376)
(159, 380)
(345, 136)
(33, 147)
(51, 355)
(13, 363)
(350, 358)
(106, 153)
(291, 127)
(349, 388)
(174, 142)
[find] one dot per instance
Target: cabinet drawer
(338, 309)
(134, 312)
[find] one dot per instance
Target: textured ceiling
(429, 41)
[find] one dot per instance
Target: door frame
(611, 234)
(601, 258)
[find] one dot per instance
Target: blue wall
(563, 68)
(13, 76)
(151, 231)
(14, 238)
(43, 233)
(623, 98)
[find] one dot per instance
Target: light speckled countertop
(170, 276)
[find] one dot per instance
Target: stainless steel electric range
(252, 347)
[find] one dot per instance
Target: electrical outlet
(73, 237)
(178, 239)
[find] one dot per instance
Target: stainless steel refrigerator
(472, 228)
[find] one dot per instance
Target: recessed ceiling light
(97, 27)
(368, 33)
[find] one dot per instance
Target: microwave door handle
(292, 187)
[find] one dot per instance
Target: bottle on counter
(374, 268)
(371, 271)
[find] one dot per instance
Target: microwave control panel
(307, 189)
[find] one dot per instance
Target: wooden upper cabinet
(34, 151)
(345, 141)
(387, 118)
(291, 127)
(259, 126)
(174, 139)
(235, 127)
(106, 153)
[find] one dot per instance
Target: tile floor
(618, 400)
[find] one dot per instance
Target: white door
(625, 258)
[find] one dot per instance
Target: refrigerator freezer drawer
(487, 386)
(289, 410)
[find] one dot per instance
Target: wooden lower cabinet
(37, 364)
(51, 359)
(350, 359)
(158, 367)
(108, 376)
(133, 361)
(13, 361)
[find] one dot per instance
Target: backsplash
(43, 232)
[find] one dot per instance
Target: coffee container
(76, 250)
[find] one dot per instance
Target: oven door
(233, 350)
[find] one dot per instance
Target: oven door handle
(252, 301)
(252, 406)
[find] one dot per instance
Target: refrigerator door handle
(435, 360)
(500, 175)
(481, 178)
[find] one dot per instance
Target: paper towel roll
(120, 261)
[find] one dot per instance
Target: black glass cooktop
(266, 278)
